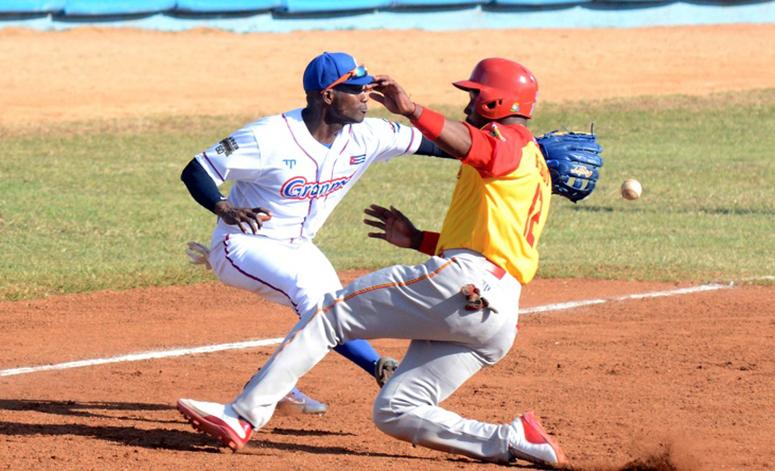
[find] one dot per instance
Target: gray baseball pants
(449, 345)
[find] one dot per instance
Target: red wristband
(429, 123)
(429, 242)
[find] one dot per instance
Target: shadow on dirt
(154, 438)
(309, 433)
(88, 409)
(262, 443)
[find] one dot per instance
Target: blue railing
(245, 16)
(284, 7)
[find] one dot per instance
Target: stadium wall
(290, 15)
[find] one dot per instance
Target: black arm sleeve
(427, 147)
(202, 188)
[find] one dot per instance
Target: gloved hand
(574, 161)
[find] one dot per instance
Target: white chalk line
(177, 352)
(626, 297)
(759, 278)
(152, 355)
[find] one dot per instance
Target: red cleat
(217, 420)
(530, 442)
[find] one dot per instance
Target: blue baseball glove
(574, 162)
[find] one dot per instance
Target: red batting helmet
(505, 88)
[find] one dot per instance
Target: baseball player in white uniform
(459, 308)
(289, 173)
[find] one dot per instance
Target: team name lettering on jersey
(298, 188)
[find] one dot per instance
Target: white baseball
(631, 189)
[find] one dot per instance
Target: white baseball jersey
(276, 164)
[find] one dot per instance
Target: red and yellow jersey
(501, 201)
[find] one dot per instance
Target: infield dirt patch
(682, 383)
(675, 383)
(89, 74)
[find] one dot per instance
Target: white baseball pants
(295, 274)
(449, 345)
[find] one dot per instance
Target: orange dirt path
(679, 383)
(85, 74)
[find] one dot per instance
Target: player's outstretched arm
(453, 137)
(427, 147)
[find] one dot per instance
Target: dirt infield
(679, 382)
(668, 383)
(88, 73)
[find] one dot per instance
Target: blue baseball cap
(329, 67)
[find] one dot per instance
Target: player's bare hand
(389, 93)
(396, 228)
(249, 220)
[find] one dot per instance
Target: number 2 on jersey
(534, 215)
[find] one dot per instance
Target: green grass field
(100, 205)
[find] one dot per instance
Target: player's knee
(388, 423)
(401, 420)
(386, 414)
(393, 415)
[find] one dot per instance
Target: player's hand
(389, 93)
(249, 220)
(396, 228)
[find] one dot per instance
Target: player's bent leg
(270, 269)
(257, 264)
(407, 409)
(261, 265)
(312, 284)
(383, 304)
(407, 406)
(307, 343)
(361, 353)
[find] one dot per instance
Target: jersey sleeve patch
(236, 157)
(496, 150)
(227, 146)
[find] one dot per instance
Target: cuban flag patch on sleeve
(357, 159)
